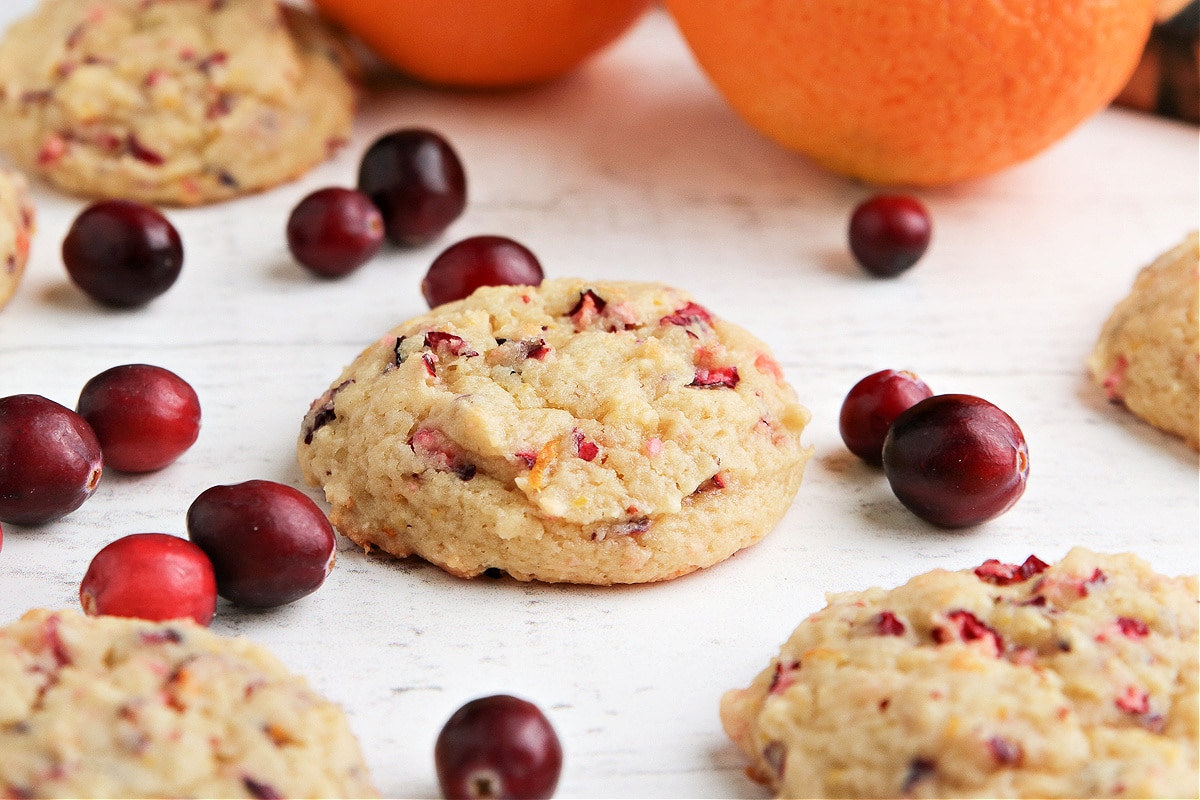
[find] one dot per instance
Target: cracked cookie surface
(171, 102)
(113, 707)
(585, 432)
(1077, 679)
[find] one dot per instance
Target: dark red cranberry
(122, 253)
(479, 261)
(50, 460)
(498, 746)
(334, 231)
(151, 576)
(956, 460)
(144, 416)
(269, 543)
(889, 233)
(870, 407)
(416, 180)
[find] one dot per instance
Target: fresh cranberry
(479, 261)
(334, 231)
(144, 416)
(122, 253)
(416, 180)
(269, 543)
(151, 576)
(871, 406)
(498, 746)
(889, 233)
(50, 460)
(956, 460)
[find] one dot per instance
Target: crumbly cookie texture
(16, 232)
(112, 707)
(1072, 680)
(171, 102)
(1148, 353)
(580, 431)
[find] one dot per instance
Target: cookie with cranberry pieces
(16, 232)
(1148, 353)
(115, 707)
(581, 431)
(177, 103)
(1077, 679)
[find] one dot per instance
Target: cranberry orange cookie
(113, 707)
(1148, 354)
(1072, 680)
(16, 232)
(584, 432)
(171, 102)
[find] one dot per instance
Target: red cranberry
(889, 233)
(335, 231)
(122, 253)
(870, 407)
(145, 417)
(151, 576)
(50, 460)
(479, 261)
(269, 543)
(498, 746)
(956, 460)
(416, 180)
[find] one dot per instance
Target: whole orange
(485, 43)
(919, 92)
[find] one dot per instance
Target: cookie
(16, 232)
(1148, 353)
(583, 431)
(171, 102)
(112, 707)
(1072, 680)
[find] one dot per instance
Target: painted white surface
(634, 168)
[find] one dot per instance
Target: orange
(485, 43)
(920, 92)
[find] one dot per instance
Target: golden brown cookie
(113, 707)
(1077, 679)
(1148, 353)
(584, 431)
(171, 102)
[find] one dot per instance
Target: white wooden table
(634, 168)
